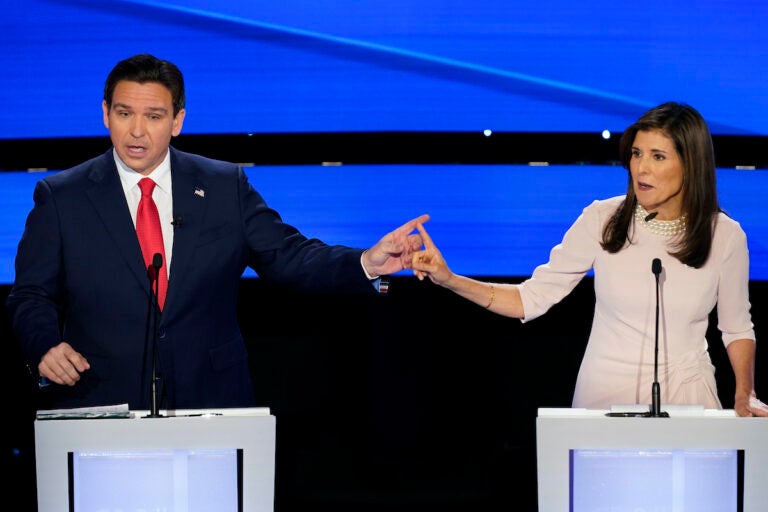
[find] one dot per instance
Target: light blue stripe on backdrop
(488, 220)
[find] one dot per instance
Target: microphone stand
(152, 321)
(655, 411)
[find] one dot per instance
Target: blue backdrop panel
(488, 220)
(404, 65)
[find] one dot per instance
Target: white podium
(182, 461)
(681, 451)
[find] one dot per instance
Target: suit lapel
(106, 195)
(189, 204)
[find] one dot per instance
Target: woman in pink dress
(669, 212)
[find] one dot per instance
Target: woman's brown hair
(693, 142)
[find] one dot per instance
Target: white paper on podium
(106, 411)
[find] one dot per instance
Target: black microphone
(177, 221)
(157, 262)
(655, 411)
(649, 218)
(151, 335)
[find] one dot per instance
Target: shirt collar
(161, 175)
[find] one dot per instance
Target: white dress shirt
(162, 195)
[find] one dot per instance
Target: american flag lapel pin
(199, 192)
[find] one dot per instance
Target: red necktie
(151, 235)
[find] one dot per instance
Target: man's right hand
(63, 365)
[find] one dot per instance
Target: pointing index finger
(428, 243)
(411, 224)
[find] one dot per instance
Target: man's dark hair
(145, 68)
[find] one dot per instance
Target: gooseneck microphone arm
(656, 388)
(152, 321)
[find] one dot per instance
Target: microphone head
(650, 216)
(157, 261)
(655, 266)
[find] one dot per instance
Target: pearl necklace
(659, 227)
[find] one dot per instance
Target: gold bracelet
(493, 295)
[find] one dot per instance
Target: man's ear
(178, 122)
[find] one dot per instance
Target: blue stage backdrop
(488, 220)
(298, 66)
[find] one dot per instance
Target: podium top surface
(674, 411)
(121, 411)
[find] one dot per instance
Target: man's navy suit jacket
(79, 265)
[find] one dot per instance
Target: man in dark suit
(80, 304)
